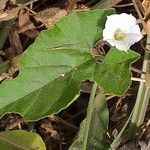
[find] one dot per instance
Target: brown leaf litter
(146, 6)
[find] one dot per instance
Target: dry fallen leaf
(71, 5)
(146, 6)
(50, 15)
(24, 22)
(3, 4)
(10, 14)
(15, 42)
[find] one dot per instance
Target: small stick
(137, 70)
(138, 79)
(124, 5)
(58, 119)
(33, 12)
(140, 6)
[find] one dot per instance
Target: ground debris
(50, 15)
(3, 4)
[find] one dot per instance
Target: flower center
(119, 35)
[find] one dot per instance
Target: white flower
(121, 31)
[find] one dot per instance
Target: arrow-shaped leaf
(113, 74)
(53, 67)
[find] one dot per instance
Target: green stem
(118, 139)
(90, 109)
(143, 95)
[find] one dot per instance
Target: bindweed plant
(52, 69)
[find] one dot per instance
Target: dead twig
(140, 15)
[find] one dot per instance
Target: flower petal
(122, 21)
(108, 34)
(135, 29)
(127, 25)
(132, 38)
(121, 45)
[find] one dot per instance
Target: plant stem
(143, 95)
(89, 111)
(118, 139)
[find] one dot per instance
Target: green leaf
(92, 134)
(113, 74)
(21, 140)
(53, 67)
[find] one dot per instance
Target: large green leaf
(21, 140)
(59, 60)
(52, 68)
(92, 134)
(113, 74)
